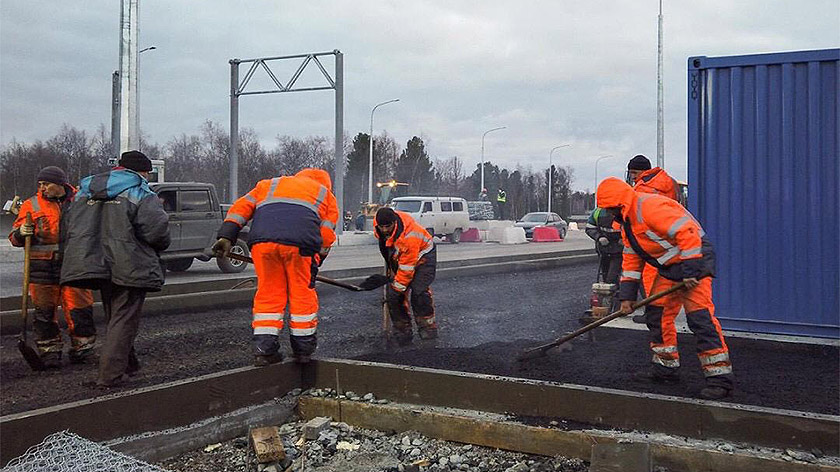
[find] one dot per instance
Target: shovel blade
(29, 350)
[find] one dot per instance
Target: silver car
(542, 218)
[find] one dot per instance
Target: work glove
(374, 281)
(221, 248)
(322, 255)
(603, 241)
(26, 229)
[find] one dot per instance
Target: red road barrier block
(471, 236)
(546, 234)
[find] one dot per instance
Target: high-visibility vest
(502, 198)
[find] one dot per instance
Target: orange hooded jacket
(656, 181)
(298, 211)
(665, 231)
(409, 242)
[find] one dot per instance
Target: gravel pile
(344, 448)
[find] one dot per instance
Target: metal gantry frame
(238, 88)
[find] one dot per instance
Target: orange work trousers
(700, 315)
(284, 277)
(77, 304)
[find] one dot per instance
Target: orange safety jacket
(406, 246)
(46, 215)
(656, 181)
(655, 229)
(298, 211)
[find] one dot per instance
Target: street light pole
(482, 154)
(137, 100)
(370, 160)
(596, 168)
(550, 172)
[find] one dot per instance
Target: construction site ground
(485, 321)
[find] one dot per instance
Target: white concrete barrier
(513, 235)
(356, 238)
(495, 229)
(487, 225)
(573, 226)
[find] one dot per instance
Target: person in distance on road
(293, 229)
(659, 231)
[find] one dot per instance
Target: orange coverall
(44, 288)
(668, 235)
(294, 219)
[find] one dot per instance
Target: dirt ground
(484, 322)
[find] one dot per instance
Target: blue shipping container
(763, 171)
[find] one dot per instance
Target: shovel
(541, 351)
(26, 344)
(353, 288)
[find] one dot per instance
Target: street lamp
(482, 154)
(550, 172)
(137, 100)
(596, 170)
(370, 161)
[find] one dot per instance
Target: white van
(441, 216)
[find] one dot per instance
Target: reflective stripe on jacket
(46, 216)
(299, 211)
(656, 181)
(661, 226)
(408, 244)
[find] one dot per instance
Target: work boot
(714, 392)
(81, 349)
(428, 333)
(648, 376)
(268, 359)
(118, 382)
(403, 339)
(639, 319)
(133, 366)
(51, 360)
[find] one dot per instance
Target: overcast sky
(553, 72)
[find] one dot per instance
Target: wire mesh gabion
(65, 451)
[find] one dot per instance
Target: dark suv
(195, 216)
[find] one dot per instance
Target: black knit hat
(52, 174)
(639, 162)
(136, 161)
(385, 216)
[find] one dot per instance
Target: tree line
(203, 157)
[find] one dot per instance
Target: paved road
(342, 257)
(538, 304)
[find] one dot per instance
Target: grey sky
(553, 72)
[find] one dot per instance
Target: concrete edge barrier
(502, 434)
(11, 321)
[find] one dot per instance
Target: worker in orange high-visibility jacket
(292, 231)
(411, 256)
(645, 179)
(45, 207)
(659, 231)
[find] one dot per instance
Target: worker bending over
(659, 231)
(608, 244)
(411, 258)
(294, 219)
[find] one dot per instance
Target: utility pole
(128, 75)
(660, 107)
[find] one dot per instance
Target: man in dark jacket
(608, 244)
(112, 235)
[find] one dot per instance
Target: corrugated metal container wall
(763, 173)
